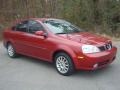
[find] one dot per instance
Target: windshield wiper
(61, 33)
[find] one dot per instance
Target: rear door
(19, 37)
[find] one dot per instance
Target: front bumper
(97, 60)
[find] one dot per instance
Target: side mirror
(41, 33)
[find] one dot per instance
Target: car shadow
(94, 73)
(35, 61)
(78, 73)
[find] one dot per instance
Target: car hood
(86, 38)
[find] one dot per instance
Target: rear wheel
(64, 64)
(11, 51)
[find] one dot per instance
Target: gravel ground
(25, 73)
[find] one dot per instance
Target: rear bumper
(97, 60)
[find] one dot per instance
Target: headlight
(90, 49)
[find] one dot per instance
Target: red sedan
(60, 42)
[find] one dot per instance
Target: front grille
(102, 48)
(107, 46)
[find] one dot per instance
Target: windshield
(61, 27)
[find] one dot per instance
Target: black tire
(65, 64)
(11, 51)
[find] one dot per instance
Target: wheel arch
(70, 54)
(7, 42)
(59, 51)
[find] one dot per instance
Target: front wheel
(11, 51)
(64, 64)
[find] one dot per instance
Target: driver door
(37, 46)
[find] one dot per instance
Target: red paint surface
(45, 48)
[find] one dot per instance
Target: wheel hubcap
(10, 50)
(62, 64)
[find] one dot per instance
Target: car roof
(36, 19)
(44, 19)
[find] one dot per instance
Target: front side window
(61, 27)
(34, 26)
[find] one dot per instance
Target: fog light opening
(95, 65)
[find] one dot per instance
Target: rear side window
(22, 27)
(34, 26)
